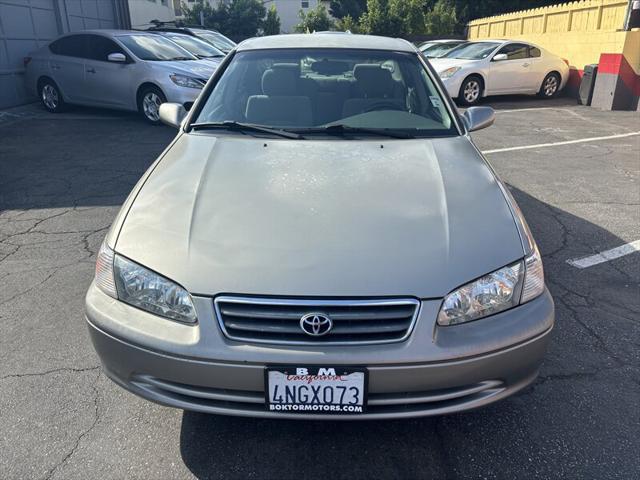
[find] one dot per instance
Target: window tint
(534, 52)
(154, 48)
(101, 47)
(515, 51)
(71, 46)
(195, 45)
(472, 50)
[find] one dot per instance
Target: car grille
(278, 320)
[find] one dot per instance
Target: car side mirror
(500, 57)
(117, 57)
(477, 118)
(172, 114)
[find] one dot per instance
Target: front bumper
(453, 84)
(176, 94)
(436, 371)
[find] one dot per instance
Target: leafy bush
(271, 25)
(316, 20)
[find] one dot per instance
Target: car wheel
(50, 96)
(149, 103)
(470, 90)
(550, 86)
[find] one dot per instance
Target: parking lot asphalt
(62, 179)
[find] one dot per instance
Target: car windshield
(216, 39)
(196, 46)
(154, 48)
(335, 91)
(426, 46)
(473, 51)
(439, 49)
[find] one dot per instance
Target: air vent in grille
(278, 320)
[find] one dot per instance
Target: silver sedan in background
(125, 70)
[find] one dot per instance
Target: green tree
(347, 8)
(316, 20)
(378, 21)
(240, 18)
(271, 25)
(193, 13)
(441, 19)
(245, 18)
(409, 14)
(347, 24)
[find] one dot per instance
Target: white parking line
(512, 110)
(566, 142)
(591, 260)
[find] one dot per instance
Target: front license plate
(333, 390)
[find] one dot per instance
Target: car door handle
(526, 64)
(55, 67)
(90, 70)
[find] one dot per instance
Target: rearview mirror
(477, 118)
(500, 57)
(172, 114)
(117, 57)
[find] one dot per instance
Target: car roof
(110, 32)
(445, 40)
(498, 40)
(326, 40)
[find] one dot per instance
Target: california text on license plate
(332, 390)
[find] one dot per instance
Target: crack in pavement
(49, 372)
(94, 423)
(576, 317)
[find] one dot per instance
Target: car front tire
(51, 96)
(471, 90)
(550, 86)
(149, 102)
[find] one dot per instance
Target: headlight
(503, 289)
(184, 81)
(133, 284)
(449, 72)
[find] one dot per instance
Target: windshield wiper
(245, 127)
(181, 58)
(341, 129)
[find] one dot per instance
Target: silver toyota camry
(322, 239)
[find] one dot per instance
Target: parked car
(126, 70)
(321, 239)
(213, 37)
(199, 48)
(500, 67)
(439, 48)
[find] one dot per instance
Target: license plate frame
(359, 378)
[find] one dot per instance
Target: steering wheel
(383, 105)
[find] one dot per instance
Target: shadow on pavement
(540, 432)
(523, 102)
(85, 157)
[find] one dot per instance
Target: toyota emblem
(316, 324)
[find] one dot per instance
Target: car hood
(440, 64)
(193, 68)
(320, 217)
(214, 61)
